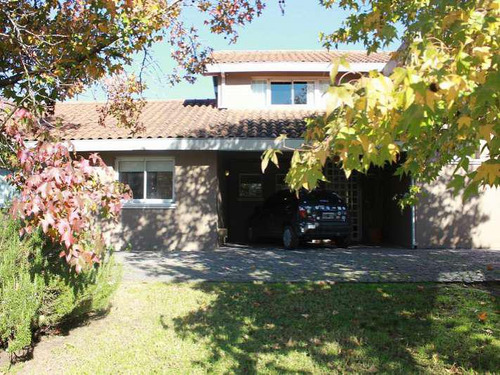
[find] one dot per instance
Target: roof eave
(292, 67)
(182, 144)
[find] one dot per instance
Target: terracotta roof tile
(184, 119)
(298, 56)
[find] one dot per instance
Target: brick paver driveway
(364, 264)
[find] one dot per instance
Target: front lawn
(283, 328)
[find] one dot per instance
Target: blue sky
(298, 28)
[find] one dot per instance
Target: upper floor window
(272, 92)
(295, 92)
(286, 93)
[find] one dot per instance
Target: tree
(438, 104)
(52, 50)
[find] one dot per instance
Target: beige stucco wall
(191, 224)
(443, 220)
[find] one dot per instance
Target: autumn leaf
(489, 172)
(482, 316)
(464, 121)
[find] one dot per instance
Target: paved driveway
(364, 264)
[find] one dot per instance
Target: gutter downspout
(413, 221)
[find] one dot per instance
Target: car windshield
(320, 195)
(314, 196)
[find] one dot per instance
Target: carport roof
(183, 119)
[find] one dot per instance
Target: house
(195, 170)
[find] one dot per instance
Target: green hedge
(38, 291)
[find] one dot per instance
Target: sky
(298, 28)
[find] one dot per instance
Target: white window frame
(143, 202)
(317, 95)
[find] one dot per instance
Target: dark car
(319, 214)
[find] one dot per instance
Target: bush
(38, 290)
(20, 289)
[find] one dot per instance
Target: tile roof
(184, 119)
(298, 56)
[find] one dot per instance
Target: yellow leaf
(451, 18)
(430, 98)
(485, 131)
(409, 97)
(488, 171)
(334, 71)
(365, 142)
(393, 151)
(322, 155)
(464, 121)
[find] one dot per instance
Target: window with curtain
(259, 92)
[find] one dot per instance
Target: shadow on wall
(190, 225)
(443, 220)
(308, 328)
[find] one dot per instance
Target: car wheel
(342, 242)
(290, 239)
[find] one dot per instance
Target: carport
(371, 198)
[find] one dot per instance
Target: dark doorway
(371, 198)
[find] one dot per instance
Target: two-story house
(195, 170)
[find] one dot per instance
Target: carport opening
(376, 218)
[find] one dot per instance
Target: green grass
(283, 328)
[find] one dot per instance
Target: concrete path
(362, 264)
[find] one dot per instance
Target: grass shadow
(361, 328)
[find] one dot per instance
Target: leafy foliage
(37, 292)
(67, 198)
(438, 104)
(20, 290)
(52, 50)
